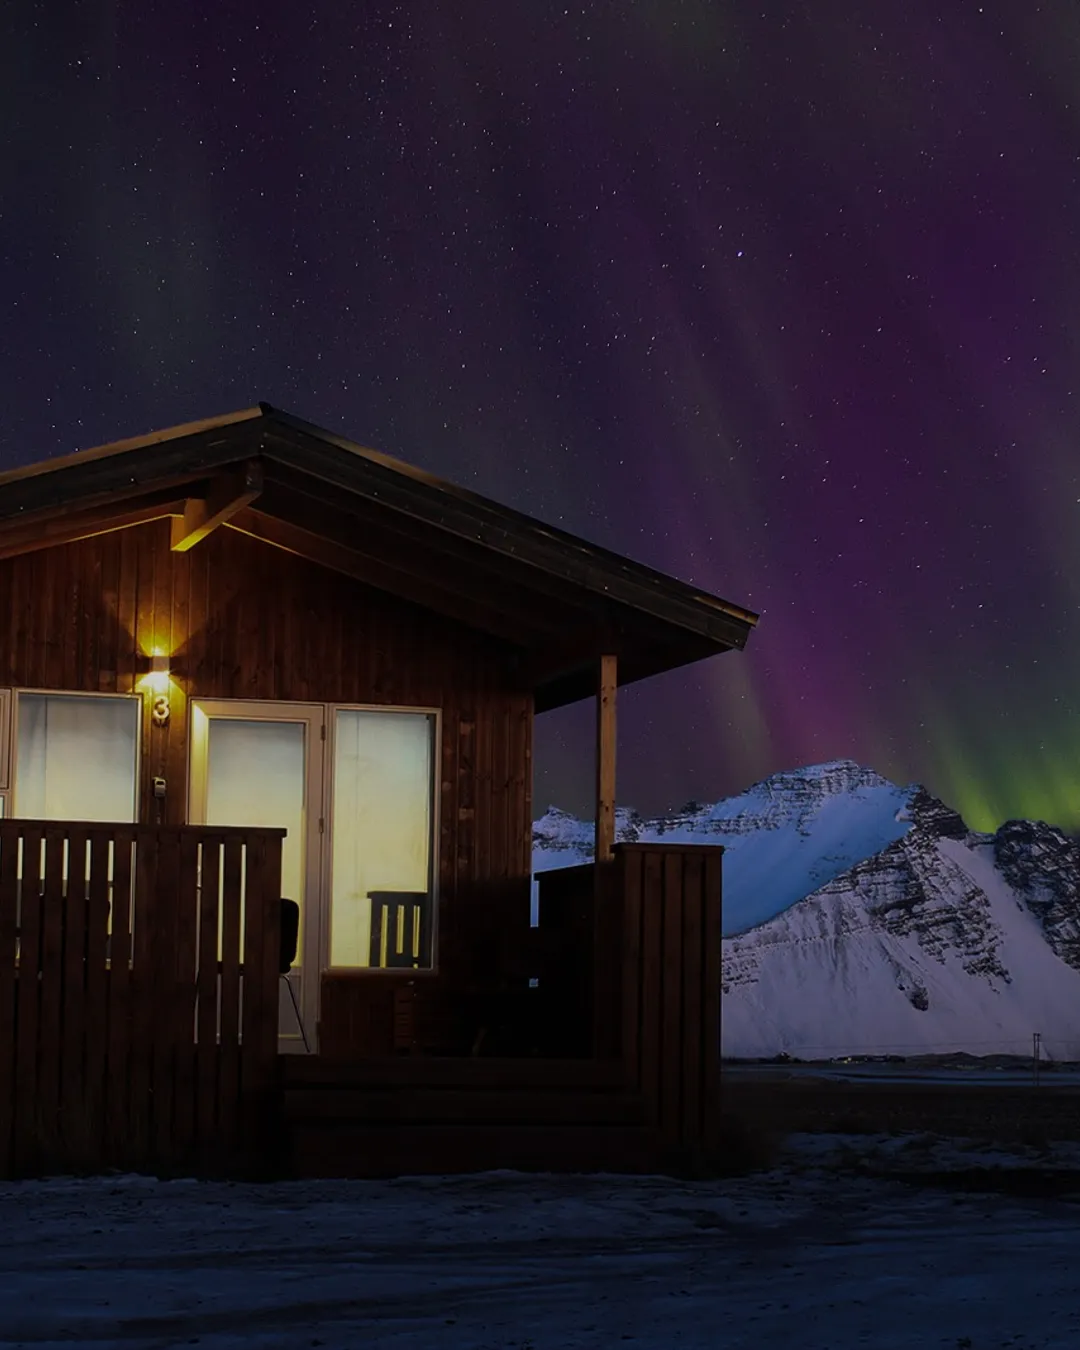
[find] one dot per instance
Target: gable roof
(558, 600)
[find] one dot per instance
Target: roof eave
(116, 448)
(474, 519)
(577, 685)
(692, 624)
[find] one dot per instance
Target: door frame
(318, 877)
(313, 920)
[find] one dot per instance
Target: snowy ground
(815, 1254)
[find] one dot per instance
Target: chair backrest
(290, 934)
(386, 913)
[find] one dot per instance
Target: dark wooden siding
(241, 619)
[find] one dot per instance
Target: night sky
(779, 298)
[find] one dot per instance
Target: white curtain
(382, 819)
(78, 757)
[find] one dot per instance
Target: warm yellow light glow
(158, 678)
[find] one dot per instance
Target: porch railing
(138, 994)
(634, 947)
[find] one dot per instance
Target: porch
(139, 974)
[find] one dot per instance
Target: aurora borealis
(780, 301)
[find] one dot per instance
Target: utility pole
(1036, 1042)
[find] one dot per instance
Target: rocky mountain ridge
(862, 917)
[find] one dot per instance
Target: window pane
(255, 775)
(78, 757)
(382, 822)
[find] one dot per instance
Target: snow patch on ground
(816, 1254)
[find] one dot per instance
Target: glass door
(262, 764)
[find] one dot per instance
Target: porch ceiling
(559, 601)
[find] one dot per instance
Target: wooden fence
(138, 994)
(668, 990)
(634, 948)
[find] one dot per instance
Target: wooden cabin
(243, 659)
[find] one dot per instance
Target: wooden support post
(605, 758)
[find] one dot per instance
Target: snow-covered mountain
(865, 918)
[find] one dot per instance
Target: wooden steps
(393, 1117)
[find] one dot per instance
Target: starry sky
(779, 298)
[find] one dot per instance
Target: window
(77, 757)
(382, 893)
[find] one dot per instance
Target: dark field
(1016, 1111)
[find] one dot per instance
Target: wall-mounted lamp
(158, 677)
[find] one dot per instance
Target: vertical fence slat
(712, 927)
(630, 864)
(168, 994)
(229, 1056)
(693, 955)
(652, 900)
(606, 972)
(260, 1000)
(145, 1007)
(262, 944)
(26, 1049)
(95, 1008)
(72, 1066)
(186, 918)
(670, 1010)
(206, 1065)
(9, 896)
(49, 1031)
(270, 882)
(251, 962)
(119, 1081)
